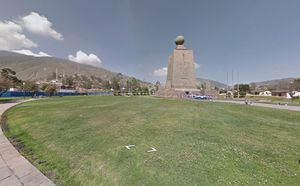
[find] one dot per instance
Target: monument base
(176, 93)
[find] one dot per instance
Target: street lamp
(123, 90)
(24, 90)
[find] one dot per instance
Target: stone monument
(181, 77)
(181, 68)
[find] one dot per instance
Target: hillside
(40, 68)
(269, 84)
(274, 82)
(212, 83)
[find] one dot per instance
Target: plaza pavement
(15, 170)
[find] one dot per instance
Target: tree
(106, 85)
(50, 88)
(30, 86)
(157, 85)
(135, 84)
(115, 83)
(68, 82)
(242, 94)
(128, 85)
(8, 79)
(242, 87)
(5, 84)
(145, 90)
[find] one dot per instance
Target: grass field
(81, 141)
(9, 99)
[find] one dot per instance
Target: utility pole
(232, 80)
(238, 84)
(45, 69)
(227, 85)
(56, 75)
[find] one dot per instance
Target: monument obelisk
(181, 77)
(181, 68)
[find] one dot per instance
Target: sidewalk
(286, 107)
(15, 170)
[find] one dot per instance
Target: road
(286, 107)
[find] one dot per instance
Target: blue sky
(260, 39)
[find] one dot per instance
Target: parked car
(203, 97)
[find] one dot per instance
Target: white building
(265, 93)
(296, 94)
(13, 89)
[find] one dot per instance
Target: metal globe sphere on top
(179, 40)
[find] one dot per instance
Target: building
(296, 94)
(280, 93)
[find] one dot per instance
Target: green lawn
(9, 99)
(81, 141)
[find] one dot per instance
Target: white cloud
(161, 72)
(197, 65)
(84, 58)
(30, 53)
(11, 37)
(39, 24)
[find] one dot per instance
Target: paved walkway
(286, 107)
(15, 170)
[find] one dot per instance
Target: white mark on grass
(152, 150)
(129, 146)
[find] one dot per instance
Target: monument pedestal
(170, 93)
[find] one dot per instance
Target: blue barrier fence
(38, 94)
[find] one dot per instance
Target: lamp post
(24, 90)
(123, 88)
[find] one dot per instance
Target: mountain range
(41, 68)
(274, 82)
(213, 83)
